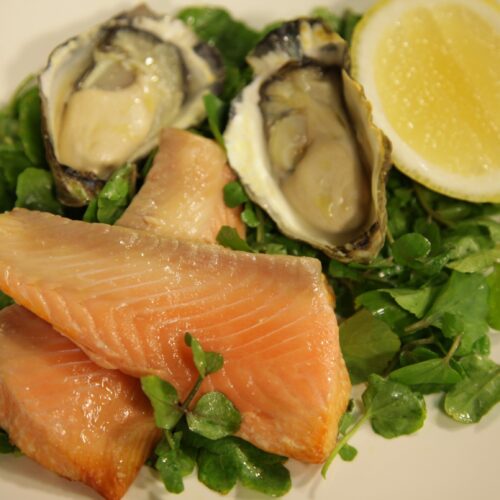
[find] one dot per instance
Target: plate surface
(444, 460)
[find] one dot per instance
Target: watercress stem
(260, 228)
(418, 325)
(342, 442)
(170, 439)
(453, 348)
(430, 211)
(192, 394)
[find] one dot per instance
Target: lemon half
(431, 69)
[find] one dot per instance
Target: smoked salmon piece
(183, 193)
(70, 415)
(128, 297)
(160, 207)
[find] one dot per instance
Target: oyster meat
(107, 93)
(301, 138)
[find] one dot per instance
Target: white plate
(444, 460)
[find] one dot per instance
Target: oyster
(107, 93)
(301, 138)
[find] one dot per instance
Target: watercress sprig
(200, 435)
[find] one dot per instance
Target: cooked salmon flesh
(127, 298)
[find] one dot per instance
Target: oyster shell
(107, 93)
(302, 140)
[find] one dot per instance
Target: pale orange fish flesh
(128, 297)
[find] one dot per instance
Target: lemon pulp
(437, 72)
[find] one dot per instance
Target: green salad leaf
(114, 197)
(164, 400)
(493, 281)
(477, 393)
(35, 190)
(216, 114)
(427, 376)
(367, 344)
(229, 237)
(214, 25)
(233, 38)
(30, 126)
(214, 416)
(6, 447)
(234, 194)
(393, 408)
(5, 300)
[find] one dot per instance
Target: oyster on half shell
(302, 140)
(107, 93)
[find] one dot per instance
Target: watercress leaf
(7, 199)
(427, 376)
(338, 270)
(477, 262)
(5, 300)
(451, 325)
(30, 126)
(214, 416)
(477, 393)
(6, 446)
(116, 194)
(493, 281)
(466, 297)
(199, 357)
(492, 225)
(482, 345)
(148, 163)
(90, 214)
(414, 301)
(218, 472)
(234, 194)
(348, 418)
(248, 216)
(9, 128)
(12, 162)
(254, 454)
(216, 113)
(22, 89)
(237, 78)
(173, 465)
(416, 355)
(257, 469)
(162, 447)
(348, 453)
(214, 25)
(333, 21)
(394, 409)
(410, 248)
(270, 248)
(367, 344)
(383, 307)
(349, 22)
(192, 439)
(164, 400)
(35, 191)
(214, 362)
(228, 237)
(467, 241)
(431, 231)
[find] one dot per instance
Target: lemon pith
(431, 69)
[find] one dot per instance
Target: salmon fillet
(127, 297)
(70, 415)
(183, 158)
(182, 195)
